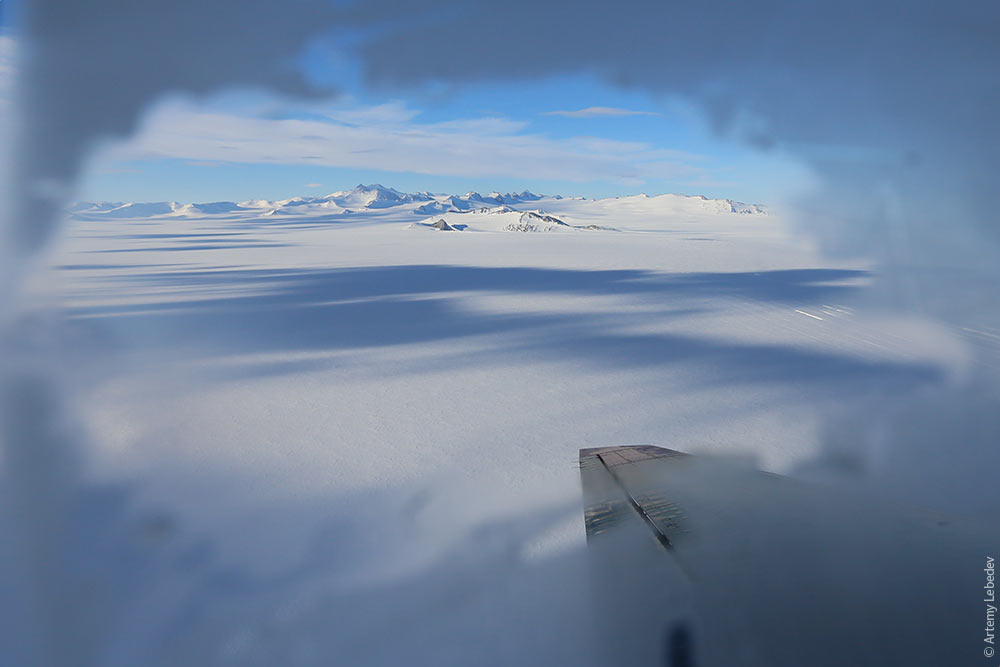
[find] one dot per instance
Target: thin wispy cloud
(113, 171)
(591, 112)
(313, 185)
(388, 113)
(389, 139)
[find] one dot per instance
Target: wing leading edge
(698, 561)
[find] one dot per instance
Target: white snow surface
(358, 434)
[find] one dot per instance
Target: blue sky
(571, 135)
(506, 136)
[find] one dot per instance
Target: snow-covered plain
(334, 430)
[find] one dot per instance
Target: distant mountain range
(368, 198)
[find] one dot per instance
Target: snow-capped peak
(376, 196)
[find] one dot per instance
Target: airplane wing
(695, 561)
